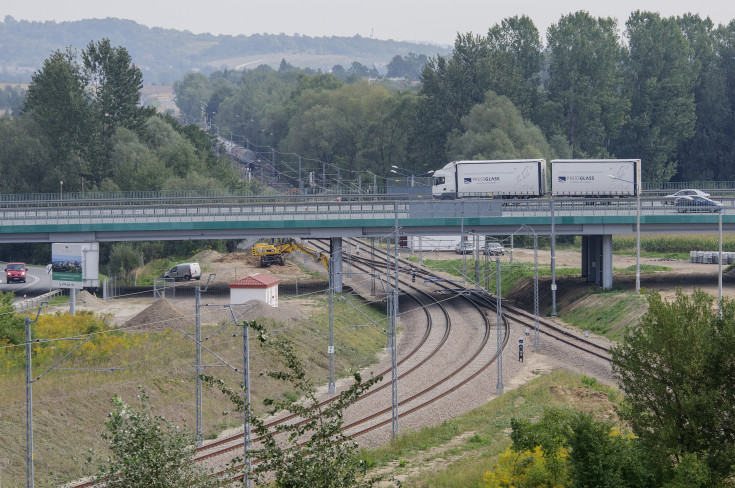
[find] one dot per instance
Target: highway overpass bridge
(24, 219)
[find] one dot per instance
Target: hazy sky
(428, 20)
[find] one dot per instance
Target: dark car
(494, 249)
(464, 247)
(15, 272)
(671, 199)
(697, 204)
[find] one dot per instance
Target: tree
(11, 99)
(135, 166)
(409, 66)
(677, 370)
(192, 94)
(148, 451)
(565, 448)
(24, 152)
(659, 81)
(706, 156)
(725, 36)
(495, 129)
(313, 452)
(515, 55)
(58, 102)
(114, 83)
(584, 81)
(124, 258)
(450, 88)
(12, 327)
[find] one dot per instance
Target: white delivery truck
(490, 179)
(595, 177)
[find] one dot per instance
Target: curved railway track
(520, 316)
(385, 384)
(425, 396)
(429, 327)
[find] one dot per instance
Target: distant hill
(164, 55)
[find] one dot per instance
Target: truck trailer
(595, 177)
(490, 179)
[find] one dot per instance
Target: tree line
(81, 128)
(81, 123)
(662, 91)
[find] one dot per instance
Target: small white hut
(255, 287)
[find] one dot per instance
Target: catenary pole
(498, 305)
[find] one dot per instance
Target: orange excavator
(273, 252)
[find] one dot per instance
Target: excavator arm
(273, 253)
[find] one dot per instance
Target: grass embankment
(459, 451)
(510, 276)
(513, 275)
(70, 406)
(604, 312)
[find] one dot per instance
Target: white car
(670, 199)
(464, 247)
(185, 271)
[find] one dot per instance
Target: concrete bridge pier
(597, 259)
(335, 263)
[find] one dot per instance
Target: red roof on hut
(257, 280)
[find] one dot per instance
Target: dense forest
(662, 91)
(164, 55)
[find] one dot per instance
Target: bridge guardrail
(34, 302)
(319, 209)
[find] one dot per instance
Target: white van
(185, 271)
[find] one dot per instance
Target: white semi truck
(595, 177)
(490, 179)
(524, 178)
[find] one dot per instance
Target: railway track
(427, 395)
(415, 394)
(516, 314)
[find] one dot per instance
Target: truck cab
(445, 186)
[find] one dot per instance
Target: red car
(15, 272)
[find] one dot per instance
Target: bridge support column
(591, 258)
(335, 251)
(607, 268)
(597, 260)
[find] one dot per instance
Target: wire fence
(123, 288)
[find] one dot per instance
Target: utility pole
(372, 265)
(29, 406)
(29, 389)
(301, 181)
(246, 393)
(330, 349)
(394, 338)
(198, 367)
(553, 262)
(324, 176)
(536, 339)
(498, 308)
